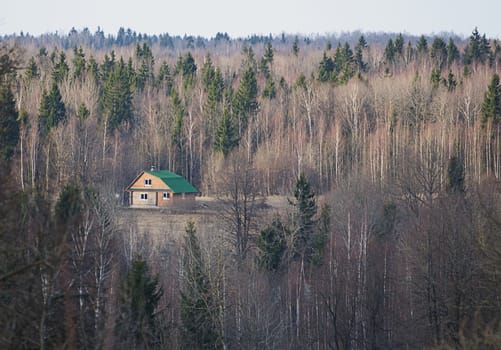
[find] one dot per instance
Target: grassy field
(162, 225)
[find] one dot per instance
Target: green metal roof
(177, 183)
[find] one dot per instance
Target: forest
(386, 146)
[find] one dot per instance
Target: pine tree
(491, 107)
(197, 302)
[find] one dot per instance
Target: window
(144, 196)
(166, 195)
(147, 182)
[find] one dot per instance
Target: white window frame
(166, 196)
(144, 196)
(147, 182)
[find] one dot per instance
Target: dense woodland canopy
(387, 146)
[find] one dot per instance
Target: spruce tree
(52, 109)
(452, 52)
(32, 70)
(422, 45)
(491, 107)
(455, 175)
(117, 95)
(165, 78)
(325, 68)
(305, 208)
(225, 138)
(198, 311)
(389, 51)
(438, 52)
(61, 69)
(79, 62)
(245, 99)
(295, 46)
(271, 244)
(141, 294)
(9, 126)
(399, 45)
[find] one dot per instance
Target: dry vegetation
(351, 193)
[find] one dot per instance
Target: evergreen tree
(359, 59)
(491, 106)
(141, 294)
(52, 109)
(451, 82)
(268, 53)
(32, 70)
(197, 303)
(389, 51)
(245, 99)
(438, 52)
(107, 66)
(319, 238)
(347, 70)
(435, 77)
(79, 63)
(272, 245)
(477, 50)
(61, 69)
(165, 78)
(295, 46)
(422, 45)
(178, 117)
(325, 68)
(117, 96)
(455, 175)
(225, 136)
(9, 126)
(305, 206)
(187, 67)
(269, 90)
(146, 63)
(452, 52)
(93, 68)
(399, 45)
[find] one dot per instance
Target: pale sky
(243, 18)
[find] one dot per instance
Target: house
(161, 188)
